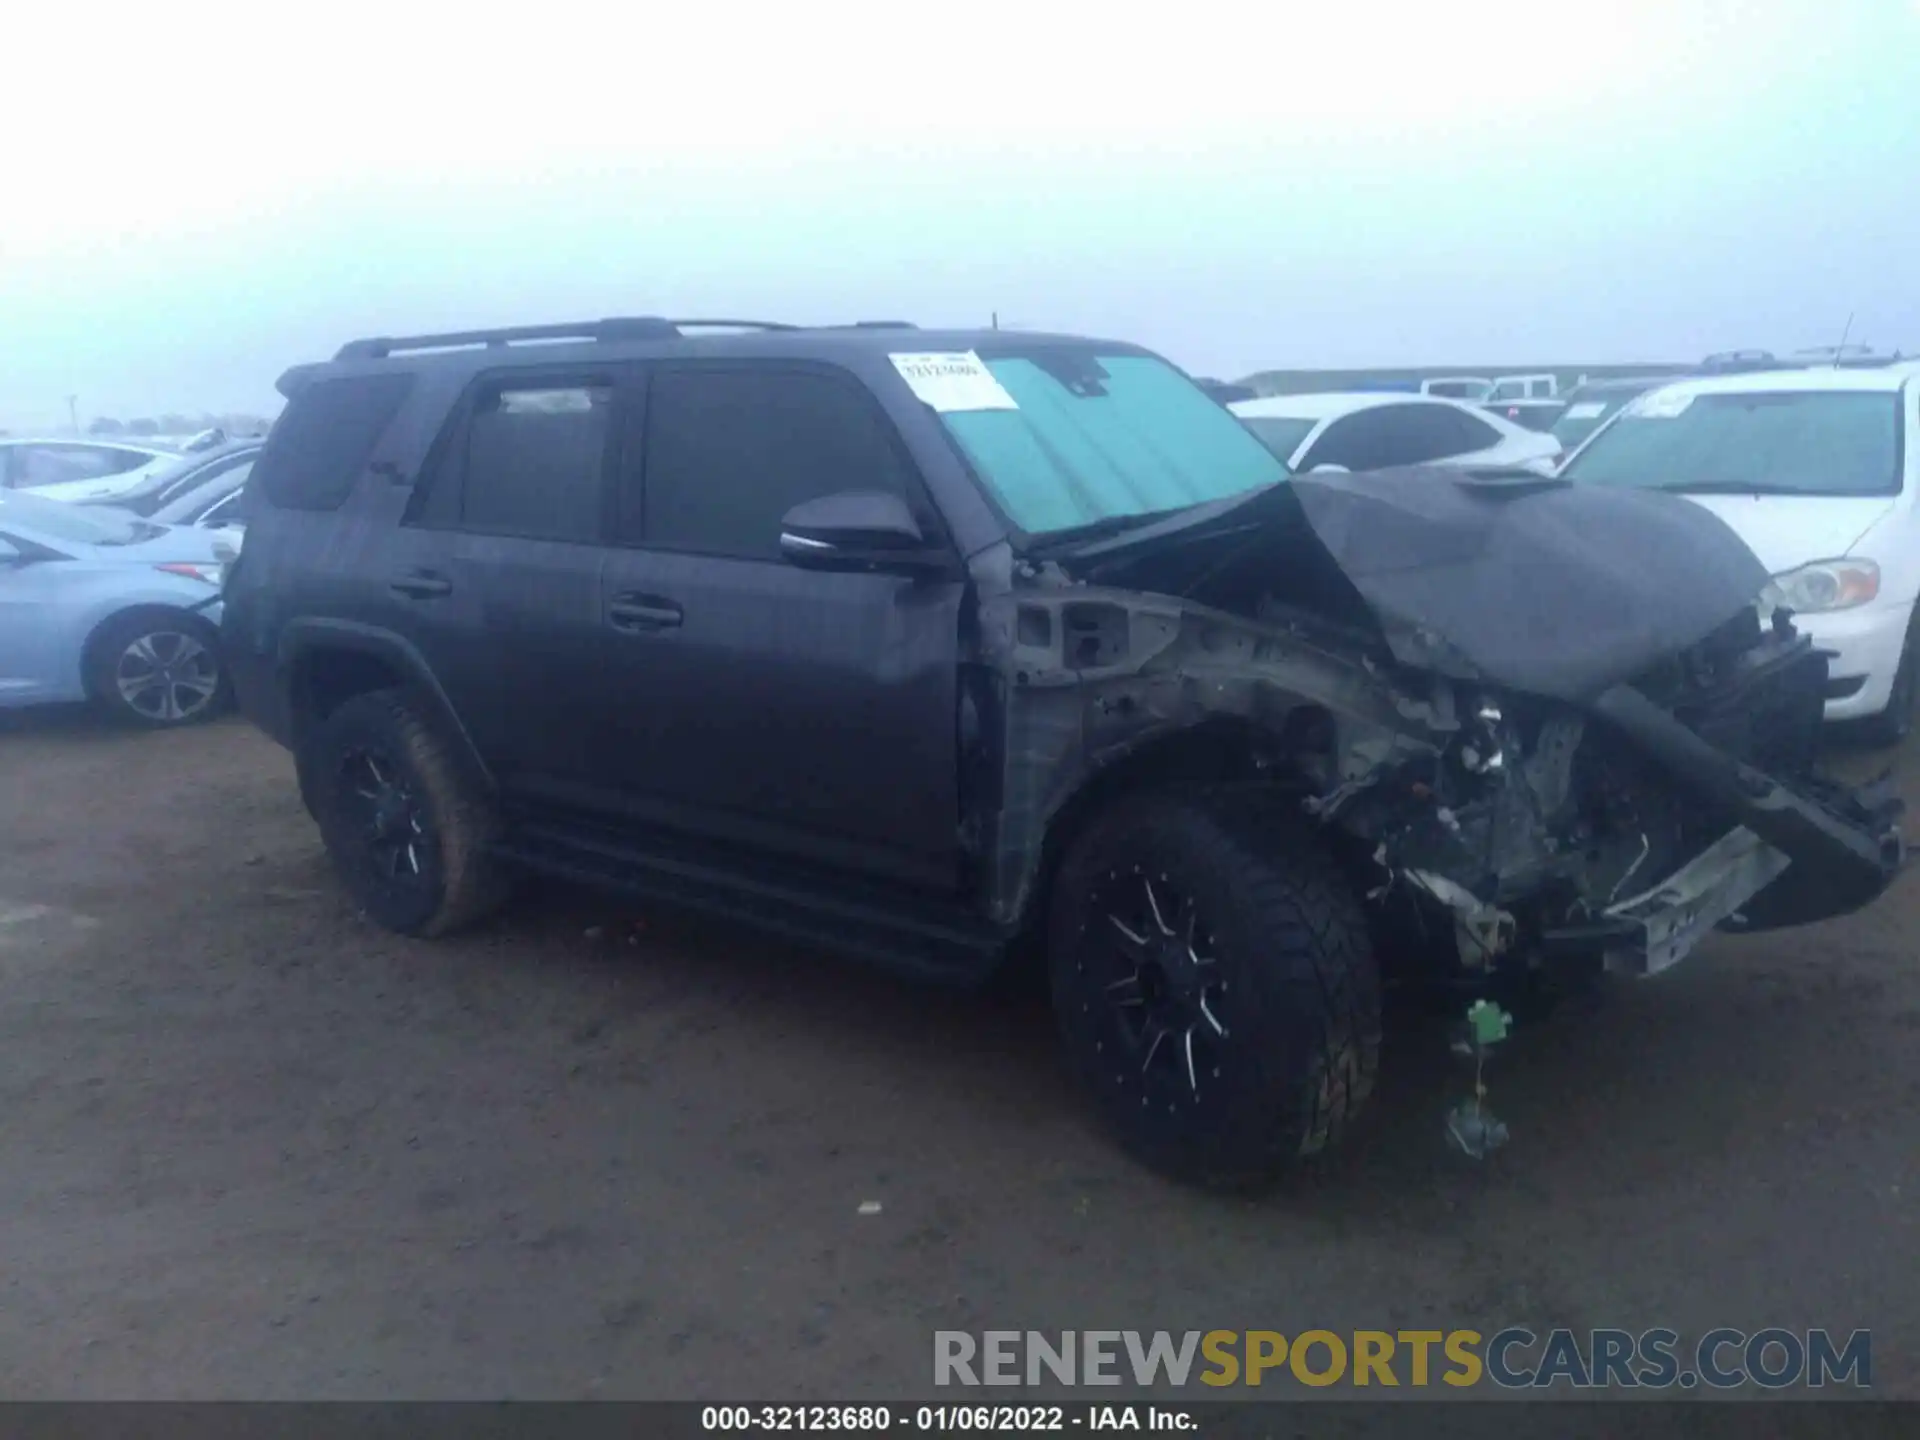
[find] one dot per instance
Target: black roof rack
(627, 327)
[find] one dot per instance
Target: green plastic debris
(1488, 1023)
(1472, 1129)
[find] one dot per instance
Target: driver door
(797, 711)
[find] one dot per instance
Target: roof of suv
(641, 336)
(1823, 377)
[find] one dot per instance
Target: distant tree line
(178, 425)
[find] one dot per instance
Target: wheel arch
(1218, 752)
(325, 663)
(159, 610)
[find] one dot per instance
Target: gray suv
(958, 650)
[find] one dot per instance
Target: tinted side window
(58, 464)
(321, 441)
(730, 450)
(1353, 441)
(536, 460)
(1475, 434)
(1416, 434)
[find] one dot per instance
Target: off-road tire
(109, 643)
(461, 880)
(1302, 1002)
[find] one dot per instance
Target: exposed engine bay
(1444, 693)
(1537, 825)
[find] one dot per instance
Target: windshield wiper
(1054, 541)
(1732, 487)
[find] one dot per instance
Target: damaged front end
(1517, 749)
(1621, 831)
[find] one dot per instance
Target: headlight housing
(201, 571)
(1827, 585)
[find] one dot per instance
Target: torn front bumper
(1792, 855)
(1649, 932)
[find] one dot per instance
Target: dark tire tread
(466, 827)
(1317, 979)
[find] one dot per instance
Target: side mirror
(1329, 470)
(857, 530)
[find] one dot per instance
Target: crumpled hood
(1535, 584)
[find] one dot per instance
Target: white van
(1817, 471)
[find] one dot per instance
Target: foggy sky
(197, 199)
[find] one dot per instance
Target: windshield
(1807, 442)
(58, 521)
(1281, 434)
(1585, 414)
(190, 506)
(199, 484)
(1098, 438)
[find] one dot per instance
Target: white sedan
(110, 465)
(1376, 430)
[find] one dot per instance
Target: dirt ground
(252, 1147)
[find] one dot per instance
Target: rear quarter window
(321, 441)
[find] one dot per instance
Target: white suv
(1817, 470)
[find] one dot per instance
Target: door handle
(644, 612)
(421, 585)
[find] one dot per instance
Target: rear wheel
(410, 836)
(157, 668)
(1215, 987)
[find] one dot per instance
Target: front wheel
(1215, 986)
(157, 668)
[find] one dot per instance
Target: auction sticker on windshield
(1587, 410)
(953, 380)
(1661, 407)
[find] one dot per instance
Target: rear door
(495, 575)
(804, 713)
